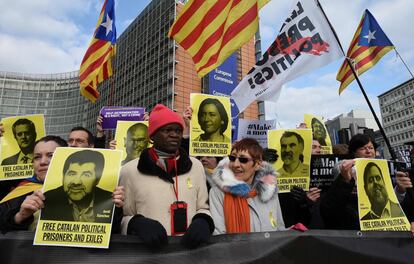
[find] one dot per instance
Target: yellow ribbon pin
(189, 183)
(273, 221)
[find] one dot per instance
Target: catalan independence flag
(96, 64)
(367, 47)
(210, 31)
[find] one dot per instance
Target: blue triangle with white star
(106, 30)
(371, 33)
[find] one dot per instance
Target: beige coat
(151, 196)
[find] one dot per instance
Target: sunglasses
(241, 159)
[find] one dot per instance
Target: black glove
(270, 155)
(150, 231)
(199, 231)
(299, 195)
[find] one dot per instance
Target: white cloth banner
(305, 43)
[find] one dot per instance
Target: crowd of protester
(234, 194)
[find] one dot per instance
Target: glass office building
(54, 95)
(149, 68)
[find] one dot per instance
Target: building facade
(397, 111)
(150, 68)
(342, 127)
(54, 95)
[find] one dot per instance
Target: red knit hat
(161, 116)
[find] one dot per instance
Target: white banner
(305, 42)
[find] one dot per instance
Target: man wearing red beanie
(165, 189)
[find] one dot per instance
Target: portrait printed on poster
(377, 203)
(132, 138)
(210, 129)
(294, 149)
(79, 198)
(17, 145)
(78, 208)
(319, 132)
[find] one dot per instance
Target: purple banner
(111, 115)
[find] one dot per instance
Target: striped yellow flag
(367, 47)
(96, 65)
(211, 30)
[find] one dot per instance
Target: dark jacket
(294, 211)
(7, 212)
(408, 205)
(339, 207)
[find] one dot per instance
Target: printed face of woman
(210, 119)
(243, 171)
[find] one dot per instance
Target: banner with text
(321, 170)
(379, 209)
(78, 190)
(210, 127)
(305, 43)
(256, 129)
(221, 82)
(112, 114)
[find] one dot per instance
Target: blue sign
(221, 82)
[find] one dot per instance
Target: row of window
(402, 104)
(404, 136)
(395, 116)
(396, 94)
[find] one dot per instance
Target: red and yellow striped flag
(367, 47)
(96, 64)
(212, 30)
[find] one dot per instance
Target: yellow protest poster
(293, 165)
(17, 145)
(131, 138)
(78, 203)
(319, 132)
(210, 129)
(378, 206)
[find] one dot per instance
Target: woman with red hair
(245, 198)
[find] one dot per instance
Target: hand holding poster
(319, 133)
(131, 138)
(210, 131)
(378, 206)
(112, 114)
(78, 207)
(17, 144)
(294, 149)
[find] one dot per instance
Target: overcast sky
(51, 36)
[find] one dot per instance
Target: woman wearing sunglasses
(245, 198)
